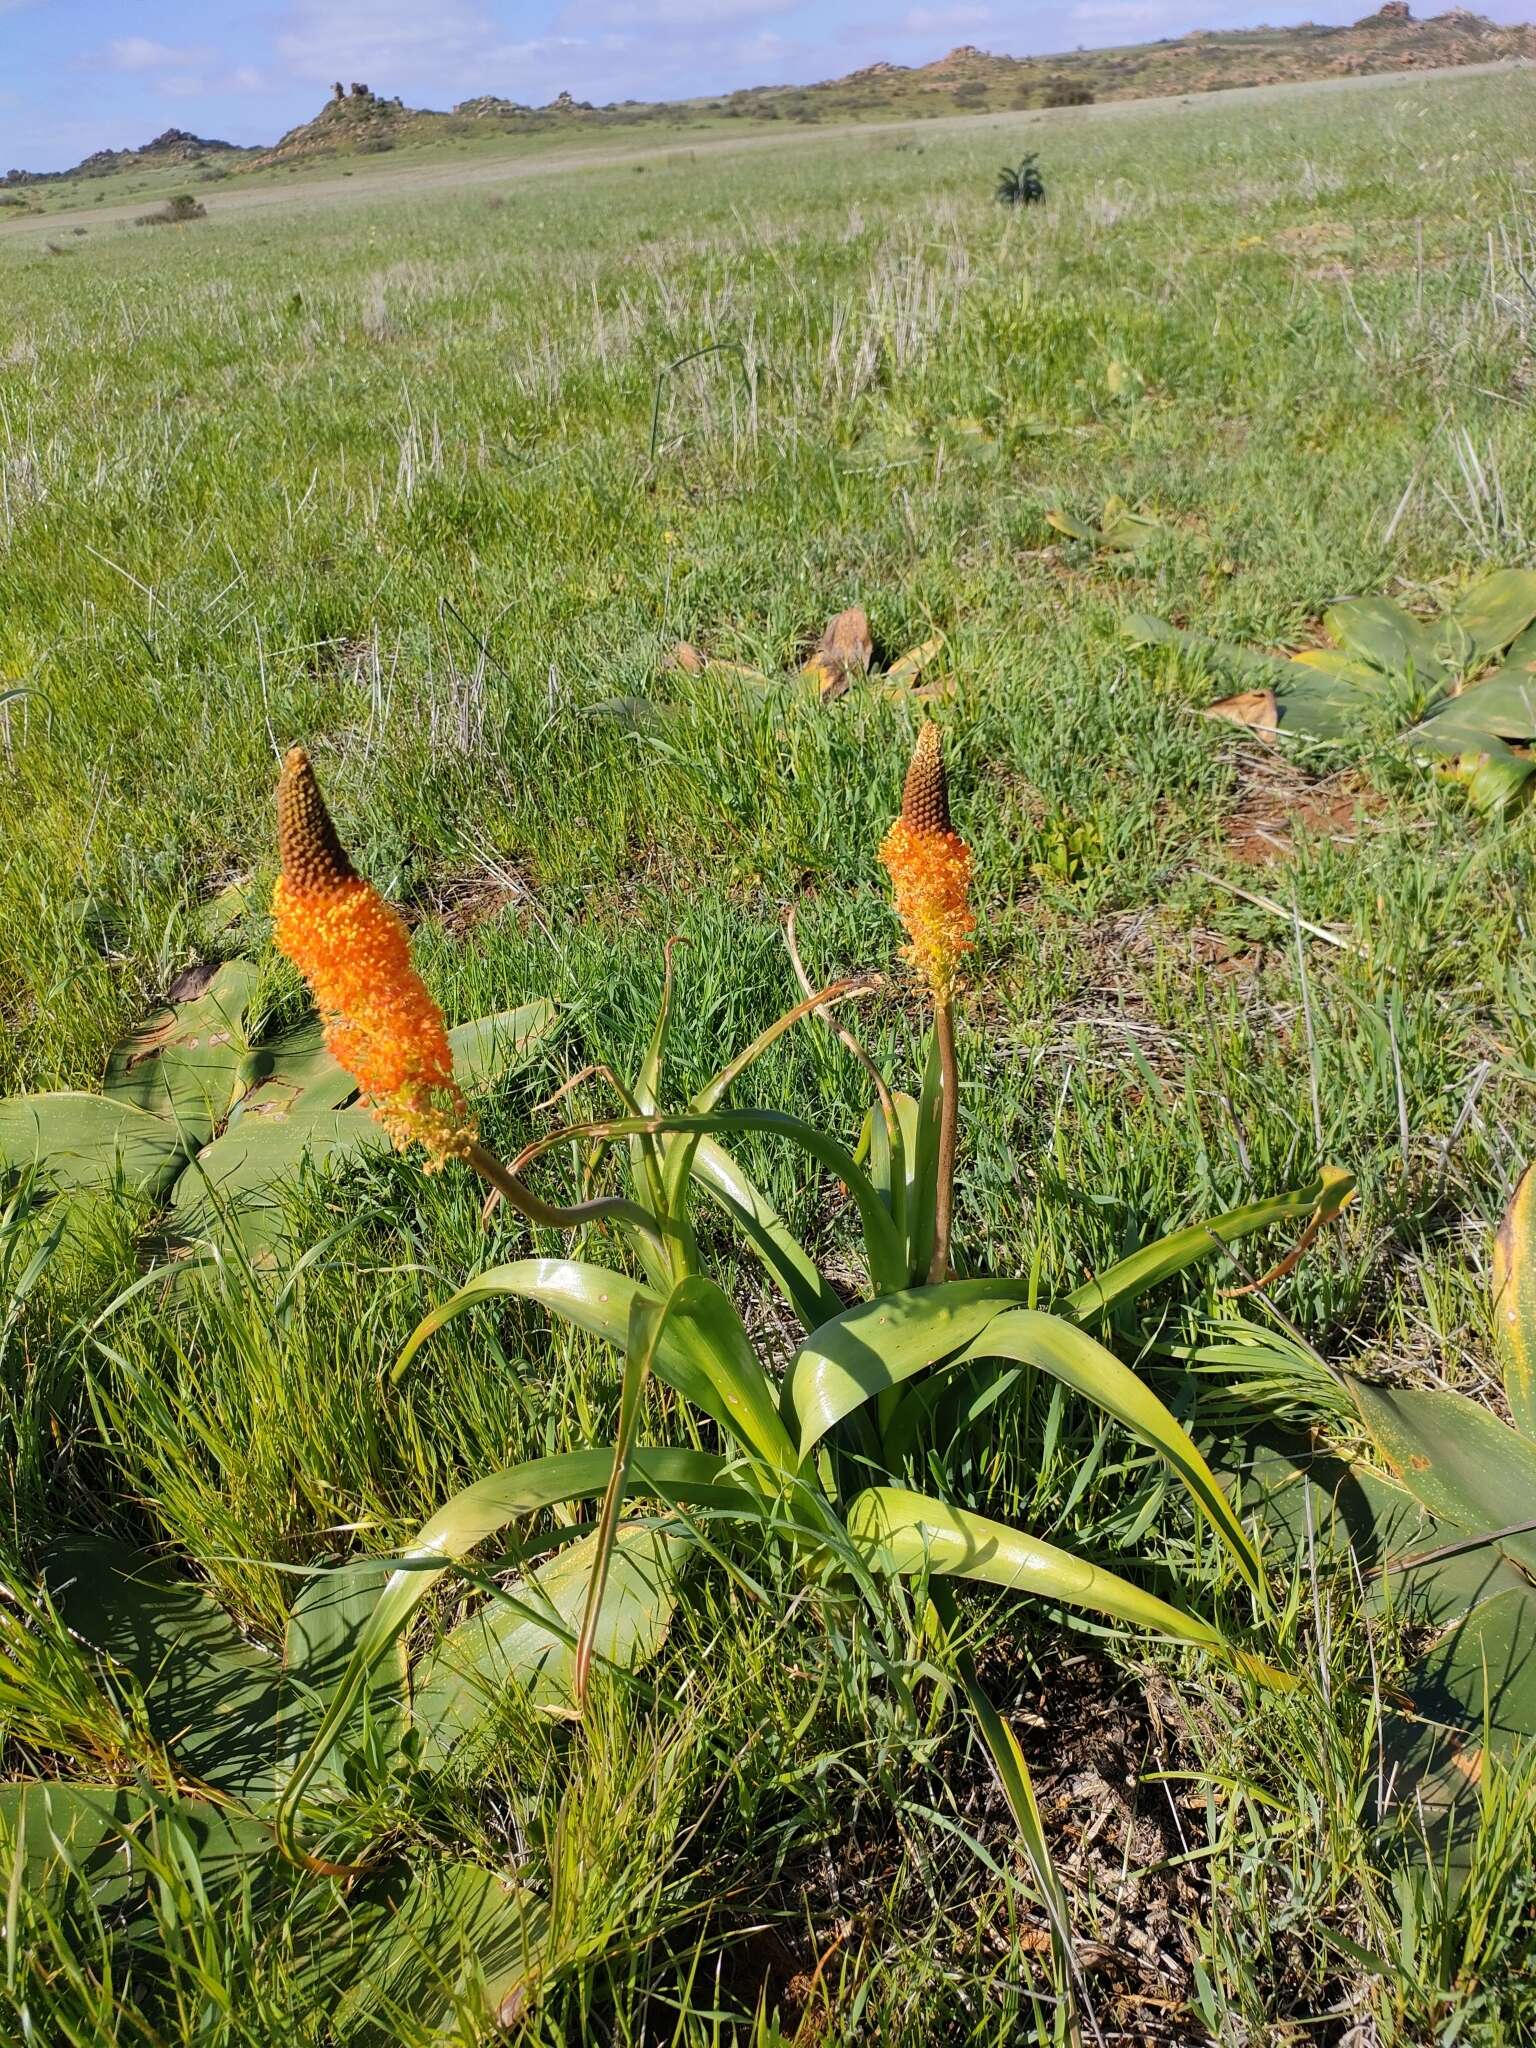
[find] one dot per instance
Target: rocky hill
(175, 146)
(357, 120)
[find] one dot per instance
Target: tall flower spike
(380, 1022)
(930, 870)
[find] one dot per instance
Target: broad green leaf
(1490, 615)
(1459, 1460)
(911, 1534)
(1317, 705)
(795, 1272)
(1383, 634)
(436, 1943)
(1157, 1262)
(90, 1141)
(1521, 654)
(1343, 668)
(1514, 1302)
(326, 1620)
(1322, 1510)
(112, 1836)
(465, 1522)
(1501, 706)
(524, 1639)
(1472, 1694)
(488, 1049)
(1496, 783)
(294, 1073)
(212, 1697)
(1122, 530)
(241, 1176)
(1482, 1675)
(1074, 529)
(191, 1062)
(1142, 630)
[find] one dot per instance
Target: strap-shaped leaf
(703, 1326)
(1514, 1302)
(798, 1277)
(592, 1297)
(876, 1345)
(463, 1523)
(880, 1344)
(912, 1534)
(1013, 1776)
(1078, 1361)
(1158, 1262)
(647, 1320)
(886, 1252)
(704, 1353)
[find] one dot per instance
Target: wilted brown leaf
(1256, 709)
(843, 652)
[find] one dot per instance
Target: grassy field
(408, 477)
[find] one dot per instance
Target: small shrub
(375, 145)
(1066, 92)
(181, 207)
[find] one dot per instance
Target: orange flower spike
(930, 870)
(380, 1022)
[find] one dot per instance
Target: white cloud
(138, 53)
(394, 45)
(246, 78)
(1128, 13)
(181, 86)
(701, 14)
(925, 20)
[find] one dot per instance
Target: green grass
(378, 476)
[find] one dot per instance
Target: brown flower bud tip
(313, 857)
(925, 799)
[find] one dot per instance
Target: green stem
(610, 1208)
(944, 1192)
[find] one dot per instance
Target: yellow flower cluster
(930, 870)
(381, 1024)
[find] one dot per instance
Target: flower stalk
(381, 1022)
(930, 870)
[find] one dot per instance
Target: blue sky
(78, 75)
